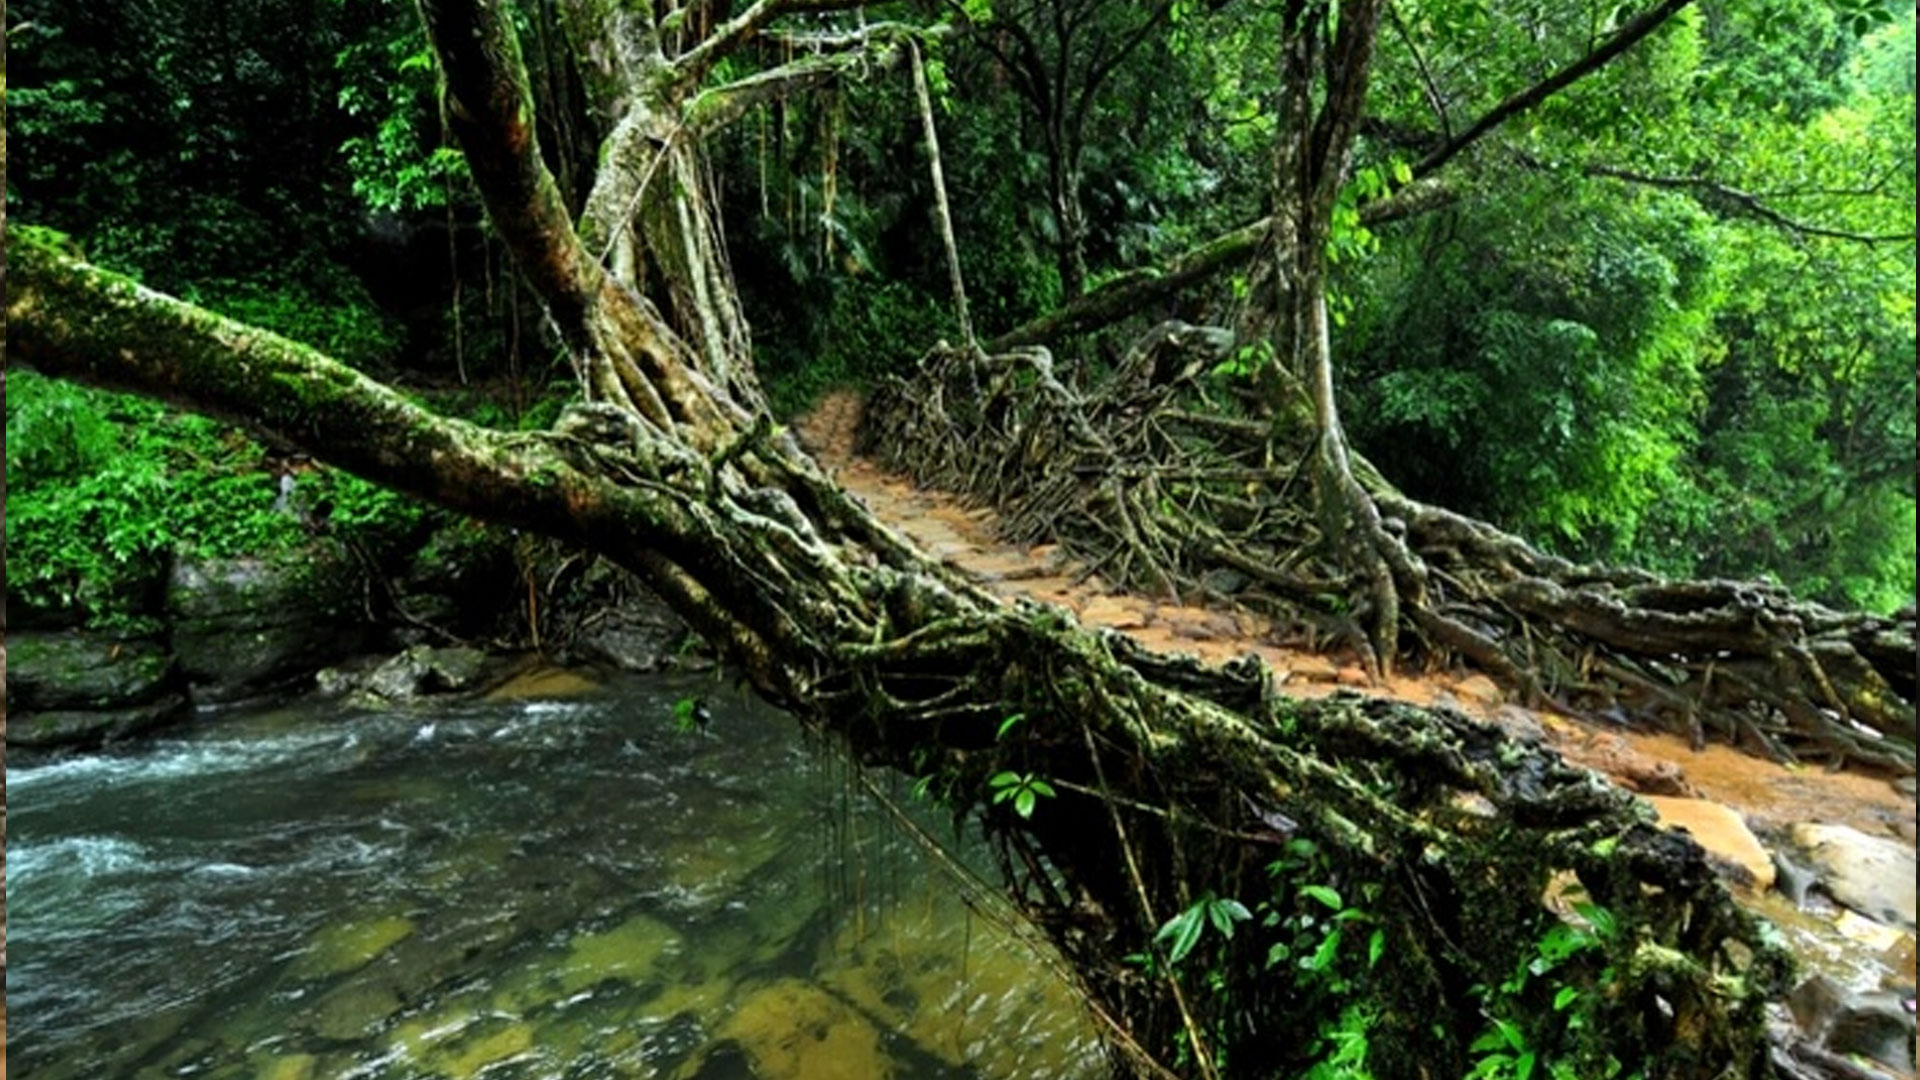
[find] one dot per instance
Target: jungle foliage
(1694, 376)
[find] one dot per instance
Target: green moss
(353, 945)
(628, 951)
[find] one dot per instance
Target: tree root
(1159, 476)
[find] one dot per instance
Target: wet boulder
(81, 688)
(1730, 844)
(93, 727)
(423, 669)
(1872, 875)
(247, 627)
(1876, 1026)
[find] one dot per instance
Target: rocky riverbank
(203, 634)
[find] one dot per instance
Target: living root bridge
(1174, 787)
(1168, 476)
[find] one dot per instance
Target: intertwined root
(1171, 476)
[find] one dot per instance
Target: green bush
(102, 486)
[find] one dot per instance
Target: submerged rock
(1871, 875)
(784, 1028)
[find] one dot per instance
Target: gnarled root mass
(1354, 873)
(1339, 882)
(1169, 474)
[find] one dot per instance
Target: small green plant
(690, 715)
(1347, 1045)
(1024, 790)
(1312, 919)
(1182, 932)
(1506, 1048)
(1009, 724)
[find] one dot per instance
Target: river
(503, 889)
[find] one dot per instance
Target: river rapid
(507, 890)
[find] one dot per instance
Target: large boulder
(246, 627)
(1870, 874)
(1875, 1025)
(1724, 833)
(463, 579)
(93, 727)
(80, 688)
(612, 619)
(78, 669)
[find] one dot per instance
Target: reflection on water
(501, 890)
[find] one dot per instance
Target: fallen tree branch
(1732, 200)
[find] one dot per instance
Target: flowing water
(506, 889)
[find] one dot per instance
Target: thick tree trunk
(1313, 145)
(1173, 782)
(1070, 217)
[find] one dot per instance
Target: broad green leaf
(1182, 932)
(1325, 894)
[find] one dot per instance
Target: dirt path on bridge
(1769, 797)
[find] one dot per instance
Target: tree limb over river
(1420, 881)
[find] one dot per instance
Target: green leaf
(1008, 725)
(1023, 802)
(1566, 996)
(1217, 915)
(1523, 1066)
(1004, 780)
(1604, 924)
(1324, 955)
(1490, 1039)
(1182, 932)
(1325, 894)
(1376, 945)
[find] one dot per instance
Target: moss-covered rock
(81, 688)
(84, 670)
(92, 727)
(244, 627)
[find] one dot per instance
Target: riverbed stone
(246, 627)
(1870, 874)
(94, 727)
(353, 1011)
(349, 946)
(418, 670)
(1874, 1025)
(81, 670)
(1723, 833)
(788, 1024)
